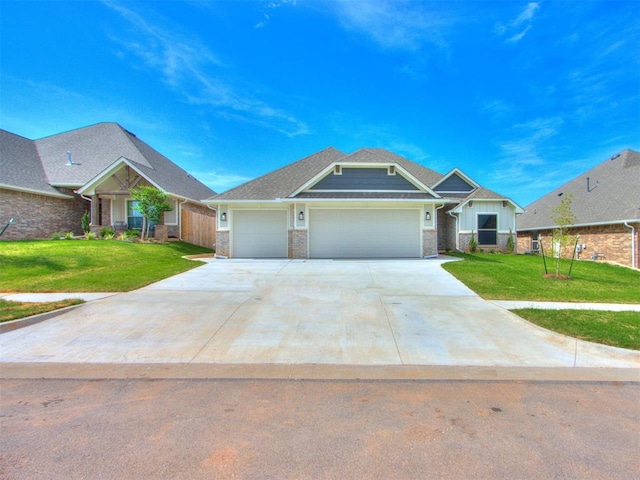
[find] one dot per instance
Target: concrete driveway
(390, 312)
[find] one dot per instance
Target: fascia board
(460, 173)
(417, 183)
(36, 192)
(580, 225)
(519, 210)
(110, 170)
(436, 201)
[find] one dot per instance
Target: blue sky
(521, 96)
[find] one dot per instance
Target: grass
(618, 329)
(521, 277)
(90, 266)
(14, 310)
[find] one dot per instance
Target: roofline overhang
(66, 185)
(89, 187)
(459, 172)
(579, 225)
(36, 192)
(438, 201)
(518, 208)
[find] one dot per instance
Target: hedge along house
(606, 203)
(369, 204)
(48, 184)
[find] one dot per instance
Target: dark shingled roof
(611, 195)
(20, 166)
(94, 149)
(283, 183)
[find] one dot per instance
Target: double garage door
(333, 233)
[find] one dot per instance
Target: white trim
(36, 192)
(404, 173)
(497, 230)
(363, 190)
(460, 173)
(518, 210)
(580, 225)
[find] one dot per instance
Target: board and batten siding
(469, 216)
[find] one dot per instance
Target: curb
(33, 319)
(312, 372)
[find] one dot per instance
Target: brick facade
(298, 243)
(429, 243)
(500, 247)
(611, 242)
(39, 216)
(222, 243)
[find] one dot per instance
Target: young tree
(563, 216)
(152, 203)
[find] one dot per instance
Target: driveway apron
(367, 312)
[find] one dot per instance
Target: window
(134, 217)
(487, 229)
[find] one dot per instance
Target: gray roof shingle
(20, 165)
(284, 182)
(611, 195)
(93, 149)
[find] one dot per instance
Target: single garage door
(259, 234)
(363, 233)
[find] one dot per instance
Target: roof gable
(384, 178)
(608, 193)
(297, 179)
(456, 182)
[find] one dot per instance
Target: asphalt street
(262, 429)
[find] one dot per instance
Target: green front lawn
(521, 277)
(14, 310)
(90, 265)
(618, 329)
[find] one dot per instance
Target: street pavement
(275, 429)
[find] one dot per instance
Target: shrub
(84, 222)
(132, 233)
(68, 236)
(511, 245)
(57, 235)
(473, 244)
(90, 235)
(107, 232)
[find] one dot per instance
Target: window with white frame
(134, 217)
(487, 229)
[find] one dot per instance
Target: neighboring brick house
(606, 203)
(368, 204)
(46, 185)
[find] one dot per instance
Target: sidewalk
(506, 304)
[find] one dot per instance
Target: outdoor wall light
(470, 204)
(223, 217)
(504, 204)
(427, 216)
(301, 216)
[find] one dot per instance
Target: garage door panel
(259, 234)
(347, 233)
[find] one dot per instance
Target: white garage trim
(259, 233)
(365, 233)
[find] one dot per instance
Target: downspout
(90, 200)
(180, 219)
(633, 243)
(215, 209)
(457, 233)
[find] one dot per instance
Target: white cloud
(192, 70)
(393, 24)
(520, 26)
(220, 181)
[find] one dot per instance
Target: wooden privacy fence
(198, 229)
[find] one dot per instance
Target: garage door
(259, 234)
(364, 234)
